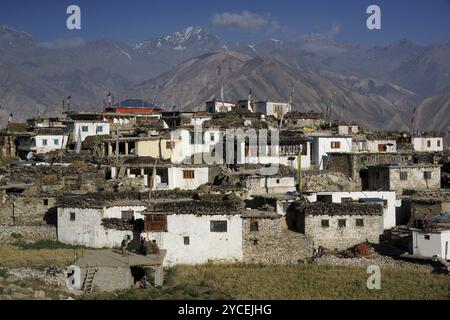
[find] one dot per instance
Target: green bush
(16, 236)
(3, 273)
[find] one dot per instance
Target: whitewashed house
(196, 238)
(88, 128)
(82, 223)
(322, 145)
(41, 141)
(269, 108)
(167, 176)
(428, 142)
(431, 243)
(219, 106)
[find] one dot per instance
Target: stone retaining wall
(9, 234)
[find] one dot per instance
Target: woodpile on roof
(303, 115)
(207, 205)
(337, 209)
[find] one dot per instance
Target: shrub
(3, 272)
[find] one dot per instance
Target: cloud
(246, 20)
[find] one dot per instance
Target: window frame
(217, 226)
(427, 175)
(359, 222)
(72, 216)
(335, 144)
(325, 223)
(403, 175)
(342, 223)
(188, 174)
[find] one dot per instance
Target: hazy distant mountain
(433, 114)
(199, 79)
(379, 85)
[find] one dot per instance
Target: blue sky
(135, 20)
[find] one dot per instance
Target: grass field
(39, 254)
(239, 281)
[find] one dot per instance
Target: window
(45, 202)
(44, 142)
(426, 237)
(342, 223)
(382, 147)
(427, 175)
(254, 225)
(385, 203)
(56, 142)
(127, 214)
(438, 142)
(403, 175)
(218, 226)
(186, 240)
(170, 144)
(360, 222)
(212, 137)
(99, 129)
(197, 137)
(155, 223)
(72, 216)
(429, 143)
(84, 128)
(188, 174)
(325, 223)
(335, 144)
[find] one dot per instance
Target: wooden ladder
(88, 284)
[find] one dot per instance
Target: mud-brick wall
(9, 234)
(273, 243)
(27, 210)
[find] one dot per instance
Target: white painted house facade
(431, 243)
(88, 128)
(83, 226)
(322, 145)
(194, 239)
(428, 144)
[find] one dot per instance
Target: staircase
(88, 284)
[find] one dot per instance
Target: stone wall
(9, 234)
(18, 209)
(341, 238)
(273, 243)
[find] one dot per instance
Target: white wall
(322, 145)
(203, 245)
(41, 148)
(421, 144)
(176, 179)
(268, 108)
(389, 216)
(91, 129)
(87, 229)
(435, 246)
(372, 145)
(211, 139)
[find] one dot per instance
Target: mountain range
(379, 85)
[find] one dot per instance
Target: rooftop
(337, 209)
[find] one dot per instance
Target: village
(142, 188)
